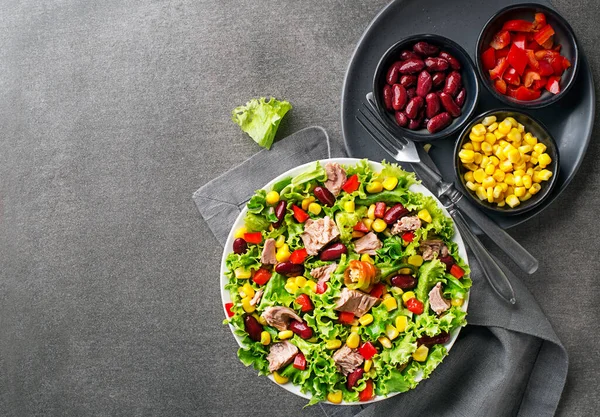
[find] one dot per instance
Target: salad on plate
(345, 282)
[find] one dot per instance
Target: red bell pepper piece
(367, 350)
(298, 256)
(500, 86)
(533, 62)
(501, 40)
(517, 58)
(518, 25)
(545, 54)
(300, 361)
(553, 85)
(304, 302)
(262, 276)
(408, 236)
(544, 34)
(530, 77)
(255, 237)
(346, 317)
(539, 84)
(300, 215)
(351, 184)
(519, 40)
(556, 63)
(566, 63)
(511, 76)
(228, 307)
(380, 209)
(545, 68)
(557, 48)
(500, 53)
(360, 227)
(377, 290)
(321, 287)
(457, 272)
(540, 20)
(488, 58)
(511, 92)
(533, 45)
(367, 393)
(548, 44)
(501, 65)
(415, 305)
(525, 94)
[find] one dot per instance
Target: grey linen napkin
(507, 361)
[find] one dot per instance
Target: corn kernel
(499, 153)
(248, 308)
(242, 273)
(504, 186)
(306, 202)
(499, 175)
(544, 159)
(494, 161)
(239, 233)
(525, 149)
(371, 212)
(374, 187)
(527, 181)
(525, 158)
(512, 200)
(502, 203)
(505, 126)
(534, 154)
(468, 146)
(540, 148)
(466, 156)
(469, 176)
(479, 129)
(520, 128)
(514, 156)
(272, 198)
(489, 120)
(479, 175)
(512, 121)
(390, 183)
(353, 340)
(390, 303)
(333, 344)
(385, 342)
(349, 206)
(291, 287)
(314, 208)
(476, 146)
(405, 271)
(471, 186)
(248, 290)
(283, 253)
(529, 172)
(491, 128)
(526, 197)
(481, 193)
(365, 257)
(416, 260)
(265, 338)
(368, 222)
(280, 379)
(476, 138)
(518, 172)
(366, 319)
(367, 365)
(334, 397)
(545, 174)
(514, 135)
(489, 194)
(424, 215)
(311, 285)
(530, 140)
(489, 170)
(457, 302)
(280, 241)
(420, 355)
(478, 157)
(407, 296)
(379, 225)
(497, 192)
(518, 180)
(535, 188)
(510, 190)
(485, 161)
(486, 148)
(391, 332)
(520, 191)
(300, 281)
(499, 134)
(401, 323)
(489, 182)
(472, 167)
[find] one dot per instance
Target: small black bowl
(564, 35)
(469, 81)
(531, 125)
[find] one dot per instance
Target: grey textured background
(111, 115)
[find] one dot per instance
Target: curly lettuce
(260, 119)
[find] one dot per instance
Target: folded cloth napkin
(507, 361)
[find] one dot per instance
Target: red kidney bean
(394, 213)
(401, 118)
(454, 63)
(413, 107)
(380, 209)
(461, 97)
(438, 339)
(436, 64)
(433, 105)
(449, 104)
(324, 196)
(387, 97)
(439, 122)
(333, 252)
(453, 83)
(280, 209)
(289, 269)
(411, 66)
(301, 329)
(353, 377)
(404, 55)
(448, 261)
(438, 79)
(424, 84)
(408, 80)
(411, 92)
(424, 48)
(392, 74)
(415, 124)
(403, 281)
(239, 246)
(399, 97)
(252, 327)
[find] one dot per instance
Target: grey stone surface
(112, 114)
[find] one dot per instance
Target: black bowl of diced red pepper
(527, 55)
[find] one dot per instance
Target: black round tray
(570, 120)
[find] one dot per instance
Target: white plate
(239, 222)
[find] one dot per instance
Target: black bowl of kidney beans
(426, 87)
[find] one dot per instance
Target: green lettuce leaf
(429, 274)
(260, 119)
(275, 293)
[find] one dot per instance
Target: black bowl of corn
(506, 161)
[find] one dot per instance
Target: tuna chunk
(406, 224)
(323, 273)
(318, 233)
(347, 360)
(268, 253)
(437, 302)
(432, 248)
(336, 177)
(279, 317)
(257, 296)
(356, 302)
(368, 244)
(281, 354)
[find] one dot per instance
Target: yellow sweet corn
(248, 290)
(424, 215)
(371, 212)
(239, 233)
(489, 170)
(280, 241)
(272, 198)
(311, 285)
(368, 222)
(300, 281)
(379, 225)
(540, 148)
(527, 181)
(469, 176)
(248, 308)
(391, 332)
(334, 397)
(457, 302)
(535, 188)
(526, 197)
(512, 200)
(420, 355)
(488, 121)
(285, 334)
(545, 174)
(505, 127)
(390, 183)
(280, 379)
(466, 156)
(291, 287)
(242, 273)
(468, 145)
(407, 296)
(416, 260)
(486, 147)
(315, 208)
(349, 206)
(481, 193)
(353, 340)
(478, 157)
(265, 338)
(401, 323)
(366, 319)
(514, 135)
(374, 187)
(499, 175)
(544, 160)
(365, 257)
(390, 303)
(520, 191)
(489, 193)
(306, 202)
(333, 344)
(471, 186)
(368, 364)
(283, 253)
(385, 342)
(479, 175)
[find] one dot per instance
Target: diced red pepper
(517, 58)
(353, 377)
(351, 184)
(566, 63)
(501, 40)
(346, 317)
(321, 287)
(525, 94)
(380, 209)
(533, 45)
(408, 236)
(511, 92)
(255, 237)
(544, 34)
(519, 40)
(377, 290)
(511, 76)
(228, 307)
(500, 86)
(501, 65)
(539, 84)
(367, 350)
(553, 85)
(298, 256)
(367, 393)
(305, 303)
(540, 20)
(557, 48)
(518, 25)
(300, 215)
(533, 62)
(488, 58)
(545, 68)
(415, 305)
(500, 53)
(530, 77)
(556, 63)
(456, 271)
(360, 227)
(262, 276)
(300, 361)
(548, 44)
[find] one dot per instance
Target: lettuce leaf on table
(260, 119)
